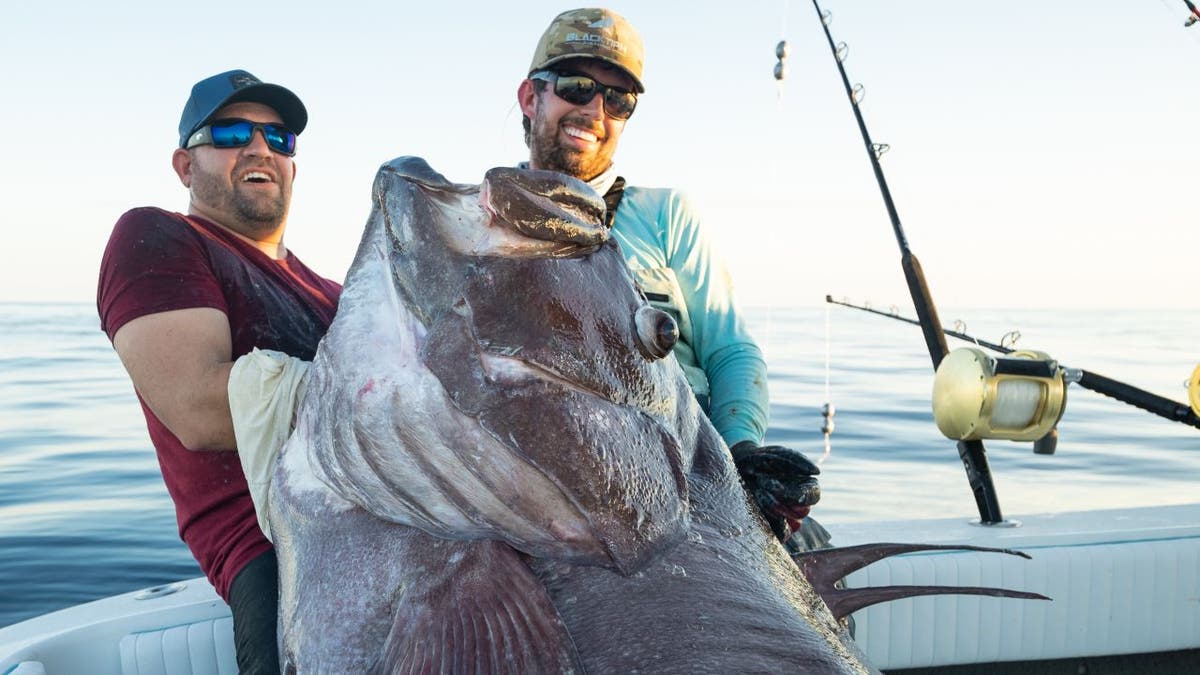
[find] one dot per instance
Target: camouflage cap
(593, 33)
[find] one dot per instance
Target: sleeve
(153, 263)
(265, 389)
(737, 373)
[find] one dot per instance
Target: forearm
(738, 398)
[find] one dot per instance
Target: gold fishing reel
(1019, 397)
(1194, 390)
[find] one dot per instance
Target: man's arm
(738, 400)
(179, 362)
(732, 361)
(779, 480)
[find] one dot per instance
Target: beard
(252, 211)
(547, 151)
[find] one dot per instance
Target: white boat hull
(1123, 582)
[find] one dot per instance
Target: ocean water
(84, 514)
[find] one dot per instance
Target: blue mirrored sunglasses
(235, 133)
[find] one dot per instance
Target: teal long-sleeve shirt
(666, 247)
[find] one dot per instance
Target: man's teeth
(256, 176)
(580, 134)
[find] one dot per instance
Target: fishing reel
(1019, 397)
(1193, 386)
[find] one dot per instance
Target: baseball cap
(594, 33)
(213, 93)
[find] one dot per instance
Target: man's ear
(526, 97)
(181, 161)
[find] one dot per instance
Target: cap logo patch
(595, 40)
(602, 22)
(243, 80)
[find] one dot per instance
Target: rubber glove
(780, 481)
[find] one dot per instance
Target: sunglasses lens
(619, 104)
(280, 139)
(575, 89)
(580, 90)
(237, 133)
(231, 134)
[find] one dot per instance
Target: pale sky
(1043, 154)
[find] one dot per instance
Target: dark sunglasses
(579, 89)
(235, 133)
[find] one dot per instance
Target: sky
(1043, 154)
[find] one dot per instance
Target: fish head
(564, 416)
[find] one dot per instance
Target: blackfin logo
(595, 40)
(602, 22)
(242, 80)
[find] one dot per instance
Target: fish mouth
(546, 206)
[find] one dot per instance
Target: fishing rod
(1115, 389)
(1195, 14)
(972, 452)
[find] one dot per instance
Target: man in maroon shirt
(182, 296)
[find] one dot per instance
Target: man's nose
(595, 107)
(258, 142)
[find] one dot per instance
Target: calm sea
(84, 514)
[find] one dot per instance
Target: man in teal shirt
(581, 89)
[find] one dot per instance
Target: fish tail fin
(825, 567)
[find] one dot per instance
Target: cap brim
(637, 84)
(281, 99)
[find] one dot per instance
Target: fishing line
(827, 410)
(766, 343)
(506, 129)
(782, 51)
(781, 54)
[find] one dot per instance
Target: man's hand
(781, 481)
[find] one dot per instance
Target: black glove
(781, 481)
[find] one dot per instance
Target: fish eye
(656, 332)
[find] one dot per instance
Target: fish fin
(825, 567)
(844, 602)
(482, 611)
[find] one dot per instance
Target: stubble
(548, 152)
(254, 212)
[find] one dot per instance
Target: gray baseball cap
(213, 93)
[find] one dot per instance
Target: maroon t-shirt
(157, 261)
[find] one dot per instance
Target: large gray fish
(498, 466)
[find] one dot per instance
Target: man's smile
(257, 176)
(585, 137)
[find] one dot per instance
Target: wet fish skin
(498, 466)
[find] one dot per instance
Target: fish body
(498, 466)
